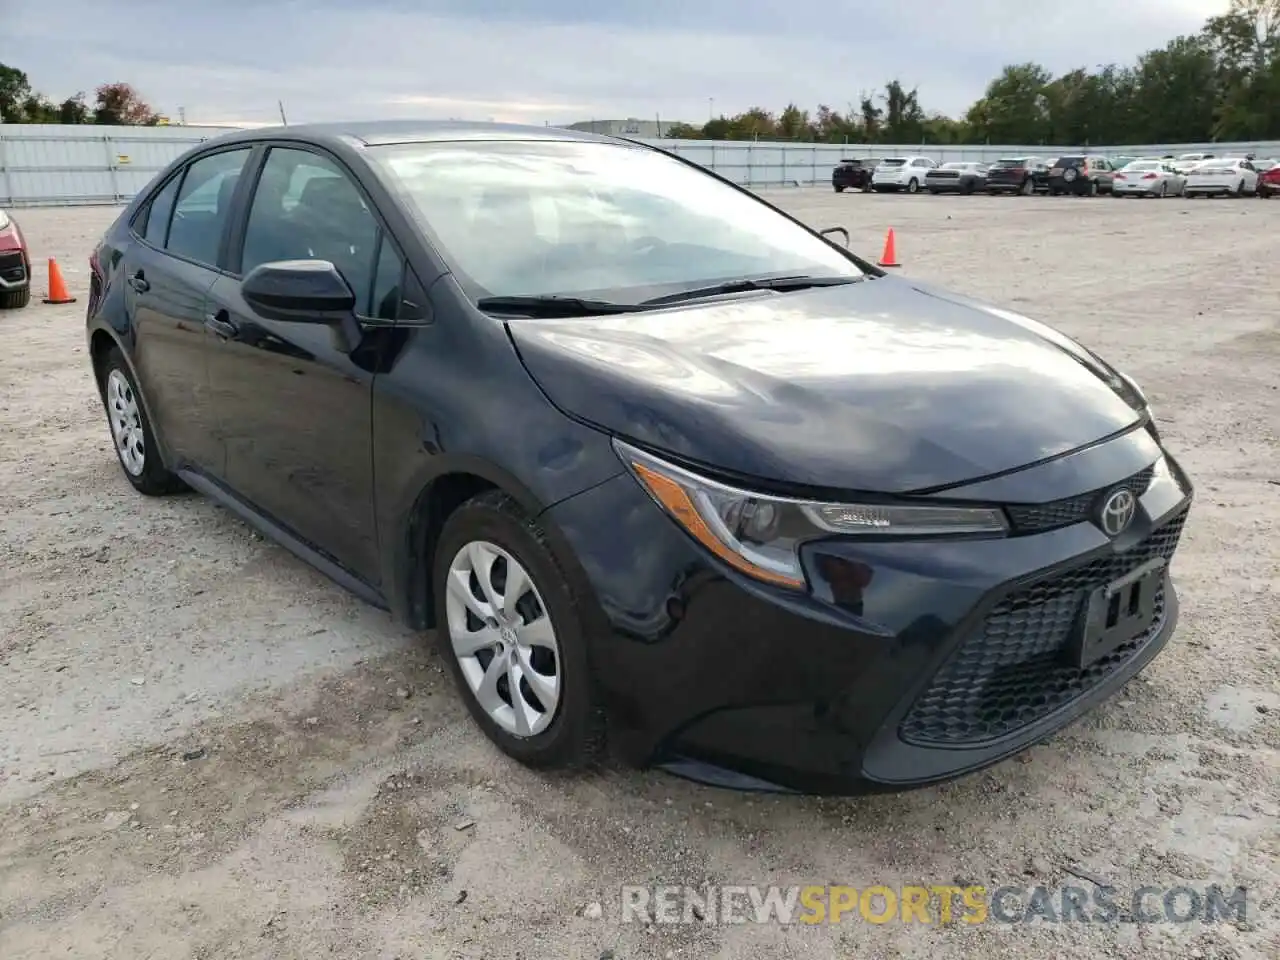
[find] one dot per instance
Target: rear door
(169, 268)
(296, 410)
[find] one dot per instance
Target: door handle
(221, 324)
(139, 282)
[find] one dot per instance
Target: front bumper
(15, 270)
(906, 664)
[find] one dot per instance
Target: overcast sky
(561, 60)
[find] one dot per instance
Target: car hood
(884, 385)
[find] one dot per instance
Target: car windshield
(1215, 168)
(894, 162)
(1143, 165)
(1009, 164)
(561, 218)
(954, 166)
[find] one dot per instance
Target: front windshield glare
(542, 218)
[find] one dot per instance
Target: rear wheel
(839, 189)
(131, 432)
(1027, 188)
(513, 633)
(15, 299)
(913, 185)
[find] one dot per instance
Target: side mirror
(304, 291)
(298, 291)
(834, 230)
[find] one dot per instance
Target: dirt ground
(207, 750)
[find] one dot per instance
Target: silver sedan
(1148, 178)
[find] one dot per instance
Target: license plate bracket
(1115, 613)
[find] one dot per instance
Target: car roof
(376, 132)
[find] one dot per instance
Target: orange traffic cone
(57, 289)
(890, 256)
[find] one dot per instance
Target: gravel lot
(208, 750)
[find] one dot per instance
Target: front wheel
(131, 432)
(514, 635)
(913, 185)
(839, 189)
(15, 299)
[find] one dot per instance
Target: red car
(15, 265)
(1268, 180)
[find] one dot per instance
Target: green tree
(15, 89)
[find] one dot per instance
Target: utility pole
(711, 109)
(283, 119)
(182, 116)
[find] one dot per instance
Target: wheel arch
(438, 495)
(102, 340)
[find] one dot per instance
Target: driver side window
(305, 207)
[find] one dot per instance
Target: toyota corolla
(653, 459)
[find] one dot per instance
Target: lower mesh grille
(13, 268)
(1010, 672)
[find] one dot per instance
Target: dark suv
(1081, 175)
(1024, 175)
(853, 174)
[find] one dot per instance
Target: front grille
(1009, 672)
(12, 267)
(1038, 517)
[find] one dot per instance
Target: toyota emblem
(1117, 512)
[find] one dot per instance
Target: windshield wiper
(747, 284)
(553, 306)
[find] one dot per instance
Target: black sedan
(652, 458)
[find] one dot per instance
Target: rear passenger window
(204, 204)
(157, 220)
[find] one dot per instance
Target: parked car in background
(1228, 177)
(1148, 178)
(902, 173)
(1186, 161)
(15, 265)
(957, 176)
(711, 450)
(1024, 175)
(1081, 174)
(1268, 179)
(853, 174)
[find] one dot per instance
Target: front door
(169, 270)
(294, 408)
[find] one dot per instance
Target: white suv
(902, 173)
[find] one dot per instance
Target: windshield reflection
(575, 218)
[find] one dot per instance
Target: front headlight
(760, 535)
(4, 220)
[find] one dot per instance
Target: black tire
(913, 185)
(575, 737)
(933, 191)
(155, 479)
(15, 299)
(1027, 188)
(839, 189)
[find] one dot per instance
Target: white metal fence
(46, 164)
